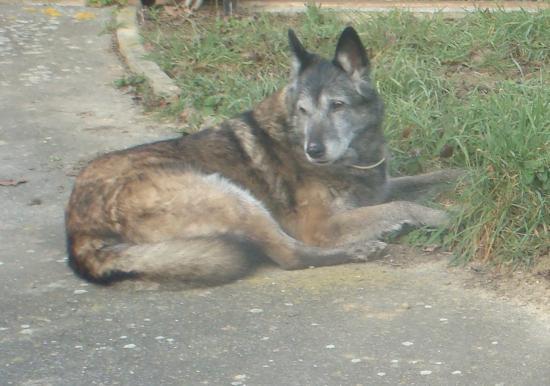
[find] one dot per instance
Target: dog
(301, 180)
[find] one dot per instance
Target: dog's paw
(367, 251)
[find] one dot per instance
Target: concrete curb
(131, 49)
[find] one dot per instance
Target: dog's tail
(195, 261)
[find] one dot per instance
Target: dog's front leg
(373, 222)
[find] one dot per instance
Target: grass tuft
(471, 93)
(106, 3)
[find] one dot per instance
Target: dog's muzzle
(316, 150)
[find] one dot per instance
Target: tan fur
(202, 208)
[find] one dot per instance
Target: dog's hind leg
(194, 228)
(236, 213)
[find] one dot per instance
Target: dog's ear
(300, 57)
(350, 54)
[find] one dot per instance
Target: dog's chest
(314, 204)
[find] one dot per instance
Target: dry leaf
(431, 248)
(51, 12)
(84, 16)
(173, 11)
(446, 151)
(407, 131)
(10, 182)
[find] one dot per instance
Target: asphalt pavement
(380, 323)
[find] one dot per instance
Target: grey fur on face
(334, 102)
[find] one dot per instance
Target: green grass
(129, 81)
(471, 93)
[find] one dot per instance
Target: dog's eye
(337, 105)
(302, 110)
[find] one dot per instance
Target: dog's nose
(315, 149)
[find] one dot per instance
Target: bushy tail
(195, 261)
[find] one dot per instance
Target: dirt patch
(529, 289)
(525, 288)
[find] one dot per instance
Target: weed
(110, 27)
(130, 80)
(138, 86)
(106, 3)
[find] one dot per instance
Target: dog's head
(332, 103)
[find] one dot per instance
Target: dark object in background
(141, 11)
(228, 5)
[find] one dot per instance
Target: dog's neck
(273, 116)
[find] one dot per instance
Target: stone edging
(131, 49)
(415, 6)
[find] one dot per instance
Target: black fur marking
(251, 249)
(269, 144)
(106, 279)
(261, 135)
(236, 143)
(252, 253)
(245, 158)
(113, 277)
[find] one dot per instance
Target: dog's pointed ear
(300, 57)
(350, 54)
